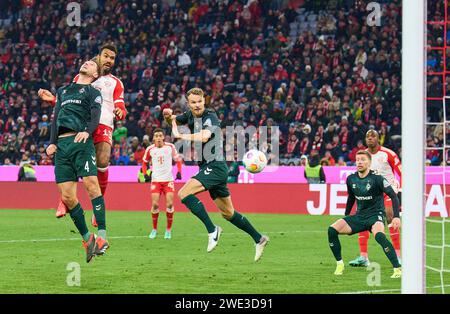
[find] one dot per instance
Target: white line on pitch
(144, 236)
(385, 290)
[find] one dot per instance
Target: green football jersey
(368, 192)
(213, 148)
(74, 103)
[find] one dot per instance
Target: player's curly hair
(111, 47)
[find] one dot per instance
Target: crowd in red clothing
(318, 71)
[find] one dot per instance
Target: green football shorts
(360, 223)
(74, 160)
(213, 176)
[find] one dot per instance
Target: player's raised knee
(182, 194)
(69, 200)
(102, 161)
(227, 213)
(92, 187)
(332, 231)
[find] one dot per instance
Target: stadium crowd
(315, 69)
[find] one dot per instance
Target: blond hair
(195, 91)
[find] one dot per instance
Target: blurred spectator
(119, 132)
(27, 172)
(313, 171)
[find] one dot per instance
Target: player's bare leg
(68, 192)
(169, 214)
(388, 249)
(339, 227)
(394, 233)
(102, 156)
(98, 207)
(155, 215)
(187, 195)
(62, 209)
(225, 206)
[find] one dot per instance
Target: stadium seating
(223, 43)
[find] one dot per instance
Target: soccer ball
(254, 161)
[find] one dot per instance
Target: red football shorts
(102, 133)
(162, 187)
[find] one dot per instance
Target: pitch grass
(297, 259)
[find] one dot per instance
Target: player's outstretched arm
(202, 136)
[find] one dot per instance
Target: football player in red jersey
(160, 156)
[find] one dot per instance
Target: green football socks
(77, 215)
(335, 244)
(98, 206)
(197, 208)
(388, 249)
(242, 223)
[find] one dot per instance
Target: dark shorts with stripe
(360, 223)
(213, 176)
(74, 160)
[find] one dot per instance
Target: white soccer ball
(254, 161)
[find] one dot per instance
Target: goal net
(437, 148)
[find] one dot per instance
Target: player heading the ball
(76, 117)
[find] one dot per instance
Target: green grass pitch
(36, 249)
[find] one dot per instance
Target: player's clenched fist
(396, 223)
(46, 95)
(51, 150)
(168, 115)
(167, 112)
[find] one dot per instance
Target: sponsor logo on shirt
(71, 101)
(364, 198)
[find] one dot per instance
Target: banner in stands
(281, 174)
(314, 199)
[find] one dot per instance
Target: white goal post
(413, 145)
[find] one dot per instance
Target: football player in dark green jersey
(206, 134)
(76, 116)
(368, 189)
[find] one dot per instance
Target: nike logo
(217, 235)
(98, 207)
